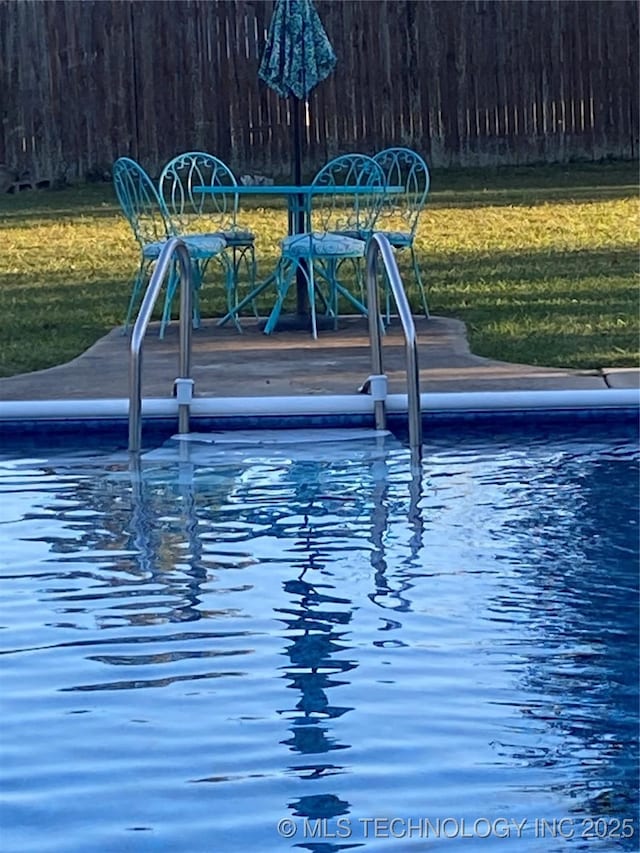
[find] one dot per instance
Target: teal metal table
(299, 216)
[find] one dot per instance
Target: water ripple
(327, 641)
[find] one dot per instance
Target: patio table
(298, 198)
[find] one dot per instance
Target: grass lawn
(541, 263)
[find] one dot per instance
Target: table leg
(298, 223)
(249, 298)
(284, 278)
(300, 217)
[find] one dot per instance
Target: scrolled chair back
(189, 210)
(140, 202)
(341, 212)
(405, 168)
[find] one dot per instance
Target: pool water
(309, 646)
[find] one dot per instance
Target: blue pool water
(308, 647)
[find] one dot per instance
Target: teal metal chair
(343, 203)
(151, 226)
(213, 213)
(400, 210)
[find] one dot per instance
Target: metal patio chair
(149, 220)
(344, 201)
(400, 210)
(213, 213)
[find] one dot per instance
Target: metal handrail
(174, 246)
(380, 244)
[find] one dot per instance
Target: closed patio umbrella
(297, 56)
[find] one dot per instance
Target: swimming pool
(305, 646)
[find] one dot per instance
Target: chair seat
(353, 234)
(151, 251)
(200, 246)
(322, 245)
(398, 239)
(231, 238)
(203, 246)
(237, 237)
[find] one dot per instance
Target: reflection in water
(319, 813)
(150, 539)
(475, 645)
(392, 595)
(314, 626)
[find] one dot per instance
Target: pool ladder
(379, 244)
(184, 384)
(377, 382)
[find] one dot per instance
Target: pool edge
(355, 410)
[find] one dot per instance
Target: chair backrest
(344, 212)
(403, 167)
(140, 202)
(212, 212)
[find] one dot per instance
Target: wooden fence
(475, 82)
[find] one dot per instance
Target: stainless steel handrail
(380, 244)
(174, 246)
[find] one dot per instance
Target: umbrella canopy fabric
(298, 54)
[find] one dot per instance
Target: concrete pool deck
(290, 363)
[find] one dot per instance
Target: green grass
(541, 263)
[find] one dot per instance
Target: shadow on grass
(505, 186)
(560, 309)
(69, 203)
(528, 198)
(541, 176)
(575, 309)
(480, 268)
(534, 185)
(436, 200)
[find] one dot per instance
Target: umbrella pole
(297, 140)
(302, 307)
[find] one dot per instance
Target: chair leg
(238, 256)
(246, 255)
(248, 298)
(252, 269)
(253, 275)
(328, 268)
(334, 267)
(358, 263)
(284, 274)
(231, 288)
(333, 293)
(325, 299)
(135, 293)
(312, 298)
(172, 285)
(199, 268)
(416, 272)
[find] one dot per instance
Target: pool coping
(344, 404)
(253, 380)
(102, 419)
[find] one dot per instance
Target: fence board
(466, 82)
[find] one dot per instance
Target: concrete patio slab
(288, 363)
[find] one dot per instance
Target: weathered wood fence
(466, 82)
